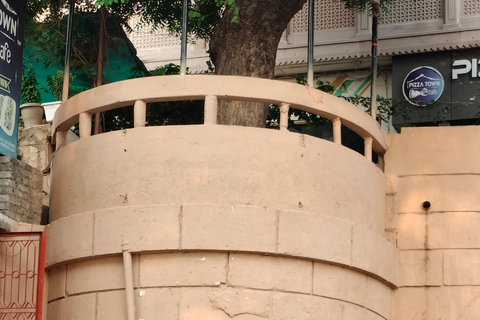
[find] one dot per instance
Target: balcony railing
(211, 88)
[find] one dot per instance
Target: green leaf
(194, 14)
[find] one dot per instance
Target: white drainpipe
(128, 270)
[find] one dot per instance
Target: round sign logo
(423, 86)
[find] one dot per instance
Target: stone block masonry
(221, 223)
(33, 145)
(216, 285)
(438, 246)
(34, 148)
(20, 191)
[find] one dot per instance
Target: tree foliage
(30, 92)
(204, 15)
(244, 35)
(45, 43)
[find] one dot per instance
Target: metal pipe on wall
(311, 27)
(183, 47)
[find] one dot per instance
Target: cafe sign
(423, 86)
(12, 13)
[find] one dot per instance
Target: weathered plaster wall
(33, 145)
(216, 285)
(225, 165)
(24, 188)
(223, 222)
(20, 193)
(439, 248)
(34, 148)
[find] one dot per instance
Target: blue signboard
(423, 86)
(12, 14)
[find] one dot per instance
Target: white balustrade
(211, 88)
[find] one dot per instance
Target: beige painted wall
(439, 248)
(220, 165)
(213, 218)
(223, 222)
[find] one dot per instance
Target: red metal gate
(22, 264)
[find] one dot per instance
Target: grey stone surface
(20, 191)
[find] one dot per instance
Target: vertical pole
(311, 17)
(101, 55)
(183, 48)
(101, 46)
(373, 87)
(68, 50)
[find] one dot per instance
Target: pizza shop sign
(423, 86)
(467, 66)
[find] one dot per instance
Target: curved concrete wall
(219, 164)
(216, 285)
(216, 214)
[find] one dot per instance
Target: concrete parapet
(217, 165)
(222, 222)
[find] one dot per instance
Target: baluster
(60, 137)
(85, 124)
(381, 162)
(96, 128)
(139, 114)
(337, 130)
(211, 106)
(368, 148)
(284, 107)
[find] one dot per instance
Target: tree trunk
(249, 48)
(102, 42)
